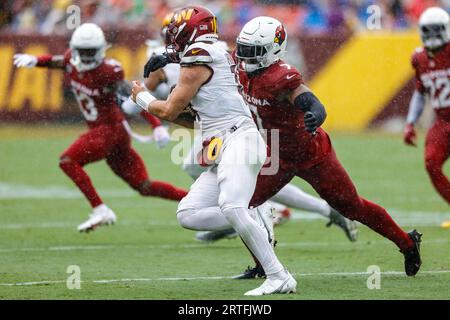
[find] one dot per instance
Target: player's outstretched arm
(22, 60)
(189, 82)
(315, 114)
(416, 107)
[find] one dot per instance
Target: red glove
(409, 135)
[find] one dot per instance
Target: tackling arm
(306, 101)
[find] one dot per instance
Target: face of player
(250, 57)
(87, 58)
(433, 36)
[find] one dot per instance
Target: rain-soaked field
(147, 255)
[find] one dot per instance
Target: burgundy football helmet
(188, 25)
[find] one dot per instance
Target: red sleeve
(151, 119)
(286, 79)
(415, 62)
(46, 59)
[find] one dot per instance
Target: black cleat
(412, 256)
(252, 273)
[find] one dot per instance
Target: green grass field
(147, 255)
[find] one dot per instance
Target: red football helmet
(188, 25)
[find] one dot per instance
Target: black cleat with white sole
(252, 273)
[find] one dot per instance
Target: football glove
(409, 135)
(25, 60)
(311, 122)
(154, 63)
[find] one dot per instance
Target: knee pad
(183, 217)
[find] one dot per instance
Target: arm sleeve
(286, 81)
(418, 82)
(51, 61)
(416, 107)
(151, 119)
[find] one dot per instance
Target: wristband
(143, 99)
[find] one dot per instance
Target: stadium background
(365, 80)
(362, 74)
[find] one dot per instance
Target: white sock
(207, 219)
(255, 237)
(294, 197)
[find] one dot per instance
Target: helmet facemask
(434, 36)
(252, 57)
(86, 59)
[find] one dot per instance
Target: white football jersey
(218, 102)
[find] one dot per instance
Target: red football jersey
(95, 91)
(433, 79)
(266, 93)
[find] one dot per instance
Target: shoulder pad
(196, 55)
(286, 78)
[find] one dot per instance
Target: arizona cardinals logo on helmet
(280, 35)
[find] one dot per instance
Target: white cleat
(101, 215)
(272, 286)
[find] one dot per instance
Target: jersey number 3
(87, 106)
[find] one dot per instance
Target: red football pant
(333, 184)
(113, 144)
(437, 148)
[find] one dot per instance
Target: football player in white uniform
(220, 197)
(159, 83)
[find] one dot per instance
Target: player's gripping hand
(161, 136)
(154, 63)
(24, 60)
(409, 135)
(311, 122)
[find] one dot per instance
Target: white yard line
(404, 218)
(299, 244)
(318, 274)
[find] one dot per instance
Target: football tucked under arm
(187, 117)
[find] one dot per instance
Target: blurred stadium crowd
(310, 16)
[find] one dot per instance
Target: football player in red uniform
(95, 81)
(432, 66)
(280, 101)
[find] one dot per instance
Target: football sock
(82, 180)
(377, 218)
(163, 190)
(255, 238)
(294, 197)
